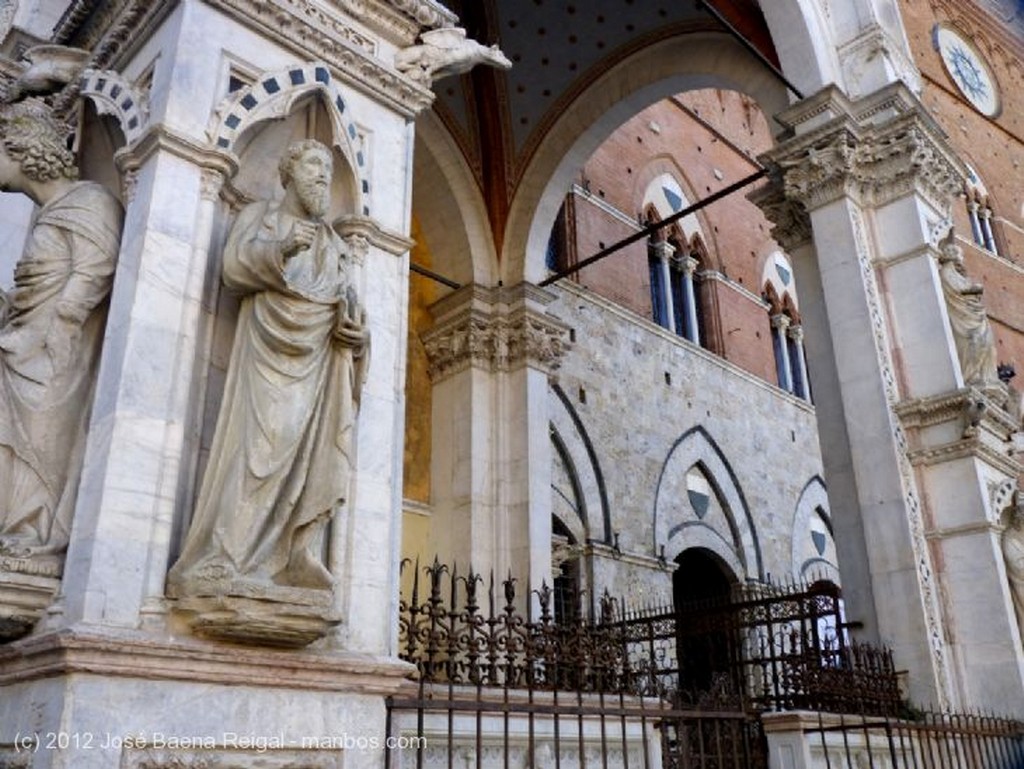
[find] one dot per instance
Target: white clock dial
(968, 70)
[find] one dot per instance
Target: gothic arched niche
(259, 151)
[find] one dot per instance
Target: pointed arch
(813, 549)
(571, 439)
(677, 527)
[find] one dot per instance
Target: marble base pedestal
(86, 700)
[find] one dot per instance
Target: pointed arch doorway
(707, 642)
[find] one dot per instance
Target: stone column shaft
(491, 354)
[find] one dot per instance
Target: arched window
(979, 212)
(786, 329)
(685, 265)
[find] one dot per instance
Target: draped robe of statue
(975, 345)
(1013, 554)
(66, 270)
(280, 460)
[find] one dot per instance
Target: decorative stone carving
(445, 52)
(975, 344)
(252, 567)
(875, 150)
(51, 331)
(491, 336)
(50, 68)
(265, 753)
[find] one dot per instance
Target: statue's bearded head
(32, 137)
(307, 168)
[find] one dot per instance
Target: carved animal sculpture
(446, 52)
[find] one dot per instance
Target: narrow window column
(800, 388)
(663, 251)
(689, 265)
(780, 323)
(972, 213)
(986, 229)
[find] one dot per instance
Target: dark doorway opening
(707, 639)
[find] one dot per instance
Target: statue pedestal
(27, 587)
(249, 612)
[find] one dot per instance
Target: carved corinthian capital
(875, 150)
(494, 330)
(791, 226)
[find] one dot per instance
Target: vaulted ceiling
(557, 48)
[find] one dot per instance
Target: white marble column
(662, 251)
(972, 213)
(802, 388)
(689, 267)
(986, 230)
(913, 490)
(780, 325)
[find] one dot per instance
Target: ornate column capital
(875, 149)
(796, 333)
(791, 224)
(688, 264)
(496, 330)
(662, 249)
(781, 322)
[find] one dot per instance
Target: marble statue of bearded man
(51, 329)
(280, 462)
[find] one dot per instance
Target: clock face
(968, 70)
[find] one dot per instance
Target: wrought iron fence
(776, 647)
(921, 740)
(500, 681)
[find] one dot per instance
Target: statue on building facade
(281, 458)
(975, 344)
(1013, 555)
(50, 331)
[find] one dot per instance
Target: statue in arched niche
(975, 344)
(281, 457)
(51, 330)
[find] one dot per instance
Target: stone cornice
(875, 150)
(400, 20)
(958, 425)
(136, 655)
(945, 407)
(311, 32)
(494, 329)
(111, 29)
(162, 138)
(309, 29)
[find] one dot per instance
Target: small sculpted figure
(975, 345)
(281, 456)
(445, 52)
(51, 330)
